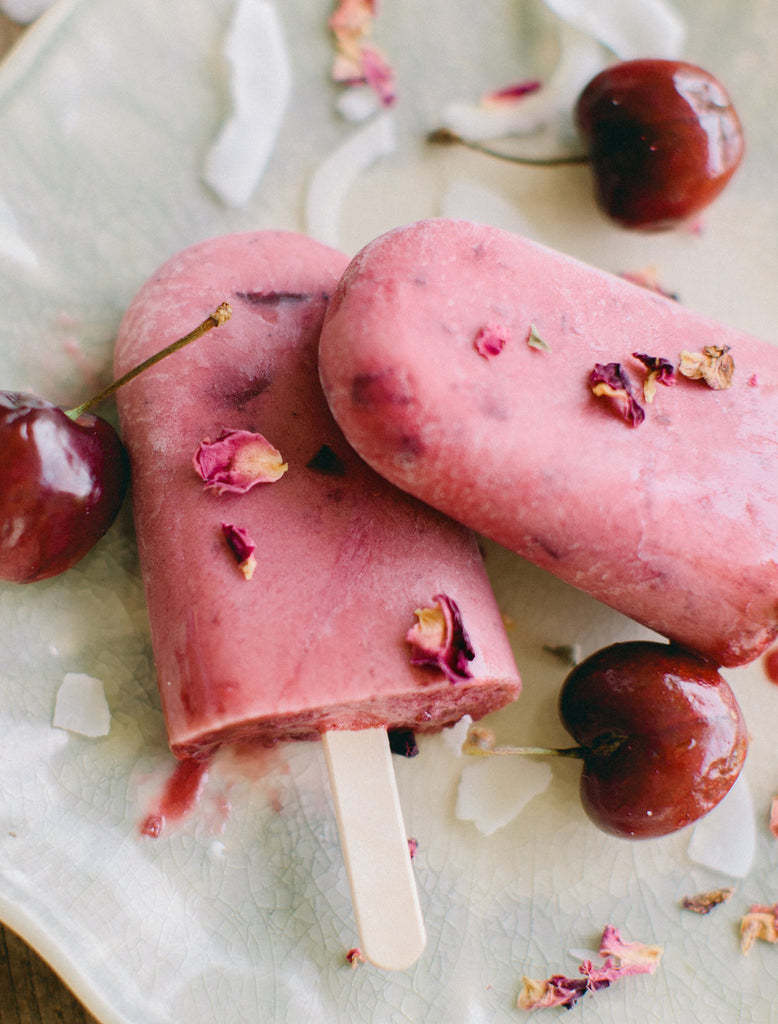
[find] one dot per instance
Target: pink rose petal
(236, 461)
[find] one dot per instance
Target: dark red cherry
(63, 482)
(661, 735)
(63, 475)
(663, 139)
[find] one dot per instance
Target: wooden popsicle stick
(375, 847)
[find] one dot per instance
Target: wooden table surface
(30, 992)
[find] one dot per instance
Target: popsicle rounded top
(315, 639)
(458, 358)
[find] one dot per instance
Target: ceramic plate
(241, 911)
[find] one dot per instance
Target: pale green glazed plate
(242, 913)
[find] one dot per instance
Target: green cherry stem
(469, 747)
(444, 137)
(603, 746)
(219, 316)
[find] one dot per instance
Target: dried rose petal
(534, 340)
(660, 370)
(609, 380)
(242, 547)
(704, 902)
(353, 17)
(236, 461)
(761, 922)
(556, 991)
(491, 340)
(355, 957)
(413, 846)
(774, 816)
(379, 75)
(633, 957)
(438, 639)
(356, 60)
(714, 365)
(621, 959)
(601, 977)
(511, 93)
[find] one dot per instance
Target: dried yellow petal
(714, 365)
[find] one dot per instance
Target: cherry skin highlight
(64, 474)
(663, 139)
(63, 482)
(661, 734)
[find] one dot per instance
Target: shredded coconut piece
(338, 172)
(24, 11)
(580, 59)
(357, 104)
(12, 245)
(260, 84)
(630, 28)
(587, 30)
(81, 706)
(725, 839)
(455, 735)
(493, 791)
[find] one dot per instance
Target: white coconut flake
(24, 11)
(590, 33)
(455, 735)
(260, 84)
(580, 59)
(12, 245)
(334, 177)
(630, 28)
(725, 839)
(493, 790)
(81, 706)
(357, 103)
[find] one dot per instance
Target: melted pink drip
(179, 796)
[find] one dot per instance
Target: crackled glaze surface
(106, 114)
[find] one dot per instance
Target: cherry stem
(219, 316)
(471, 747)
(444, 137)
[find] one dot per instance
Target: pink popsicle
(313, 643)
(457, 360)
(315, 640)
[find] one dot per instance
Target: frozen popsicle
(233, 448)
(486, 376)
